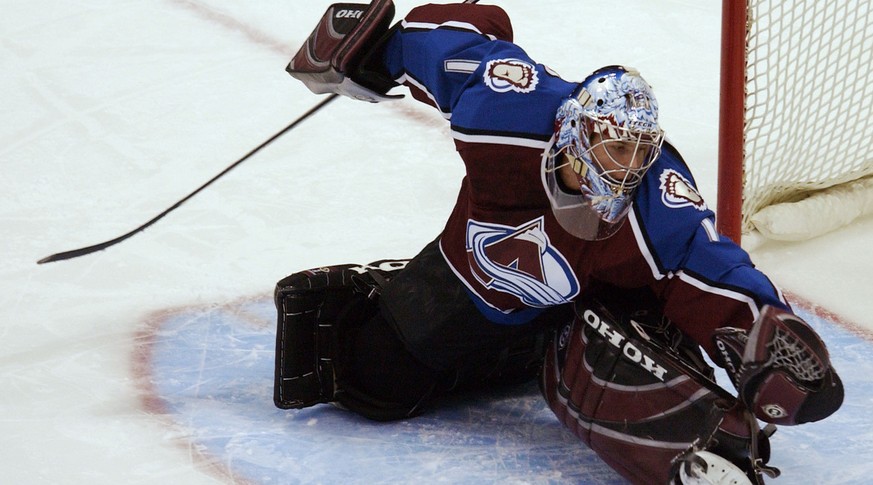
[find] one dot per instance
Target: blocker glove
(333, 58)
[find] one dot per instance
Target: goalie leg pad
(635, 398)
(379, 379)
(311, 306)
(781, 369)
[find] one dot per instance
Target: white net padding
(808, 113)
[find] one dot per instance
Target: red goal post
(796, 117)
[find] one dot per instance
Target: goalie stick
(75, 253)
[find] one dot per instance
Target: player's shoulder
(669, 184)
(669, 211)
(511, 93)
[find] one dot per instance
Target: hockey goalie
(579, 253)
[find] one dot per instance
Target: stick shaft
(75, 253)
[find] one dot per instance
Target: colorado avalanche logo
(504, 75)
(678, 192)
(520, 261)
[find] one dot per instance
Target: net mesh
(809, 99)
(787, 352)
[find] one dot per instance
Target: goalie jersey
(502, 240)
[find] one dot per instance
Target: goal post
(796, 116)
(731, 118)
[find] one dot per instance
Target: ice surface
(209, 371)
(112, 111)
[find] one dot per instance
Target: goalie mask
(606, 138)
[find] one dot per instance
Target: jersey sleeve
(704, 279)
(437, 47)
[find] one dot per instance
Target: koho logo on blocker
(349, 14)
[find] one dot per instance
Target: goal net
(796, 127)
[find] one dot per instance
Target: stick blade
(75, 253)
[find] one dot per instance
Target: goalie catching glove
(334, 57)
(781, 369)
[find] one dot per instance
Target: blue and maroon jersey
(502, 240)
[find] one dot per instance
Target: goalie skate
(706, 468)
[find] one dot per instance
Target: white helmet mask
(606, 138)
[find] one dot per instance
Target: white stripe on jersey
(500, 140)
(656, 272)
(461, 66)
(405, 78)
(451, 23)
(733, 295)
(710, 229)
(643, 247)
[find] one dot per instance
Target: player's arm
(777, 362)
(703, 280)
(433, 50)
(712, 291)
(438, 47)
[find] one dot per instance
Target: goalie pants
(428, 339)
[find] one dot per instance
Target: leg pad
(311, 305)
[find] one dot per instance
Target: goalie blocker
(334, 57)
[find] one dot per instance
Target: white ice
(112, 111)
